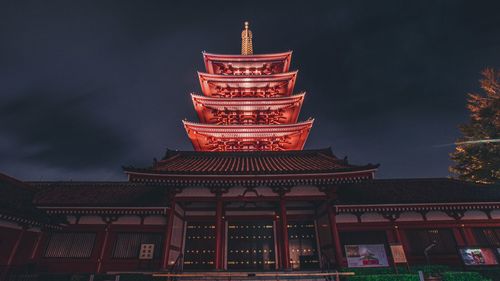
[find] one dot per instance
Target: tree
(477, 153)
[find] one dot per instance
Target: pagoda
(248, 103)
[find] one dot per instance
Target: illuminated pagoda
(248, 199)
(248, 103)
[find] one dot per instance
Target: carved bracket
(392, 216)
(456, 214)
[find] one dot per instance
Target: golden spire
(246, 41)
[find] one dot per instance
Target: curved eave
(349, 175)
(285, 81)
(284, 58)
(241, 131)
(255, 57)
(203, 76)
(248, 104)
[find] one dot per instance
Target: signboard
(147, 251)
(478, 256)
(398, 253)
(370, 255)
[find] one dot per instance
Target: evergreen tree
(477, 153)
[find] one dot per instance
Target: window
(128, 244)
(70, 245)
(419, 239)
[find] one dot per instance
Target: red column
(284, 235)
(103, 248)
(13, 253)
(36, 246)
(168, 236)
(458, 236)
(219, 248)
(335, 234)
(470, 240)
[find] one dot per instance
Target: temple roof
(386, 192)
(306, 166)
(416, 191)
(228, 64)
(209, 137)
(280, 84)
(248, 104)
(248, 131)
(16, 203)
(108, 194)
(226, 111)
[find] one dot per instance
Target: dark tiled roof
(415, 191)
(16, 202)
(251, 163)
(106, 194)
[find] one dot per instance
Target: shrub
(385, 277)
(463, 276)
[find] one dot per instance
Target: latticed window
(128, 244)
(70, 245)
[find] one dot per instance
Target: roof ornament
(246, 41)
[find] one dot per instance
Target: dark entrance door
(250, 245)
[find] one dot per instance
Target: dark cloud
(386, 80)
(47, 128)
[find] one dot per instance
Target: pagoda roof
(277, 62)
(209, 137)
(283, 83)
(247, 131)
(248, 104)
(213, 110)
(258, 167)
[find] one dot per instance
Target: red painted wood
(219, 262)
(103, 248)
(168, 237)
(335, 235)
(284, 235)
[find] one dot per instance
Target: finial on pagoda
(246, 41)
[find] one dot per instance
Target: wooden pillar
(470, 240)
(36, 246)
(13, 253)
(168, 236)
(335, 235)
(103, 247)
(219, 228)
(285, 252)
(458, 236)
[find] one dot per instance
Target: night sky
(89, 86)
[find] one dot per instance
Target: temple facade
(248, 198)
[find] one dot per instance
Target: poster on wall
(478, 256)
(398, 253)
(370, 255)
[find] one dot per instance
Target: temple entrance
(250, 245)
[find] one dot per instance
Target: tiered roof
(248, 103)
(226, 111)
(263, 64)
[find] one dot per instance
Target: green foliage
(385, 277)
(463, 276)
(477, 155)
(427, 269)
